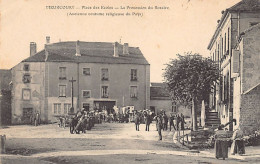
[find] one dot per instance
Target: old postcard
(129, 81)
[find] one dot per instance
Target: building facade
(233, 22)
(102, 75)
(161, 100)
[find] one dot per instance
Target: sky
(187, 25)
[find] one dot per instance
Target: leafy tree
(190, 78)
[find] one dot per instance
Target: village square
(94, 102)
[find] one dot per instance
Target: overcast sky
(160, 34)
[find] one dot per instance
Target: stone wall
(250, 111)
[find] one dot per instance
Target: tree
(190, 78)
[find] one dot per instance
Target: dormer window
(26, 78)
(26, 67)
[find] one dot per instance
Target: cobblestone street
(105, 143)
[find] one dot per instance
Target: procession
(133, 81)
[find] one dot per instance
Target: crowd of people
(162, 121)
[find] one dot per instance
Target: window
(86, 94)
(62, 90)
(226, 87)
(133, 91)
(104, 74)
(228, 40)
(86, 71)
(57, 108)
(67, 107)
(26, 78)
(104, 91)
(133, 74)
(225, 43)
(26, 94)
(62, 73)
(26, 67)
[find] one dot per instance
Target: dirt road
(105, 143)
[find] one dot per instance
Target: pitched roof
(91, 52)
(158, 91)
(242, 6)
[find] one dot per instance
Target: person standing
(182, 121)
(159, 126)
(137, 121)
(147, 120)
(238, 144)
(171, 122)
(221, 144)
(165, 121)
(178, 120)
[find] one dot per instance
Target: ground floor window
(57, 108)
(67, 107)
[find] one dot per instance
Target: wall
(250, 59)
(250, 79)
(119, 84)
(36, 87)
(250, 111)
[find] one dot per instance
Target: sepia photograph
(129, 81)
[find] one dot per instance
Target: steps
(212, 119)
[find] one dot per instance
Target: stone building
(234, 21)
(104, 75)
(246, 74)
(161, 100)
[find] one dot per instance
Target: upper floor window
(57, 108)
(62, 73)
(104, 74)
(133, 74)
(67, 107)
(104, 92)
(26, 67)
(86, 71)
(86, 94)
(26, 94)
(133, 91)
(26, 78)
(62, 90)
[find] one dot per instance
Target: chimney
(48, 39)
(116, 49)
(46, 52)
(33, 48)
(77, 49)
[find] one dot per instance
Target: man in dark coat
(137, 121)
(182, 121)
(165, 121)
(178, 120)
(171, 123)
(147, 121)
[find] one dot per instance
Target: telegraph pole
(72, 107)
